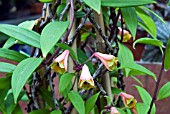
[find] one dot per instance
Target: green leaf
(164, 91)
(17, 110)
(147, 20)
(116, 91)
(6, 67)
(56, 112)
(149, 41)
(77, 102)
(130, 18)
(12, 55)
(142, 108)
(121, 111)
(42, 111)
(167, 56)
(82, 57)
(21, 74)
(66, 47)
(146, 28)
(5, 82)
(125, 55)
(3, 93)
(142, 70)
(91, 102)
(24, 35)
(146, 98)
(26, 24)
(51, 34)
(46, 1)
(47, 96)
(64, 81)
(94, 4)
(125, 3)
(84, 36)
(137, 80)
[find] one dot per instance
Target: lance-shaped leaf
(164, 91)
(41, 111)
(64, 81)
(149, 41)
(24, 35)
(142, 108)
(5, 82)
(146, 98)
(77, 102)
(12, 55)
(11, 41)
(147, 20)
(130, 18)
(51, 34)
(94, 4)
(6, 67)
(167, 56)
(126, 3)
(21, 74)
(91, 102)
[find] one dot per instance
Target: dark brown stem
(156, 88)
(64, 11)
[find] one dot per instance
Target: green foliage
(12, 55)
(46, 1)
(146, 98)
(147, 20)
(149, 41)
(11, 41)
(91, 102)
(94, 4)
(48, 41)
(164, 91)
(77, 102)
(5, 82)
(64, 81)
(56, 112)
(167, 56)
(24, 35)
(6, 67)
(125, 3)
(21, 74)
(142, 108)
(130, 18)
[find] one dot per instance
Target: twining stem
(157, 85)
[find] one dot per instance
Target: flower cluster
(86, 81)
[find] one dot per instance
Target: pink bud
(113, 110)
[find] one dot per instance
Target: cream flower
(86, 81)
(126, 35)
(109, 61)
(60, 63)
(128, 100)
(113, 110)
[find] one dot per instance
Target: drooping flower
(128, 100)
(113, 110)
(126, 35)
(86, 81)
(60, 63)
(109, 61)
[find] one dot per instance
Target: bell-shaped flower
(113, 110)
(126, 35)
(60, 63)
(128, 100)
(109, 61)
(86, 81)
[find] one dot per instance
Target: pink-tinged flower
(109, 61)
(113, 110)
(126, 35)
(60, 63)
(86, 81)
(128, 100)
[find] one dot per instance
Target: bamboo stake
(101, 48)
